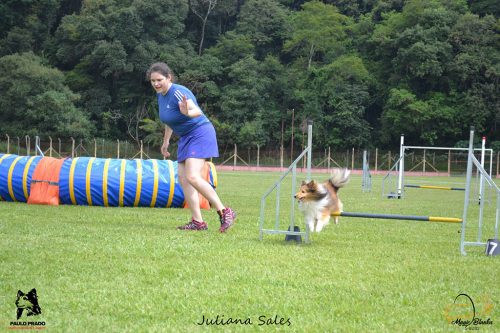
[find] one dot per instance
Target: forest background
(364, 71)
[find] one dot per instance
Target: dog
(318, 201)
(28, 302)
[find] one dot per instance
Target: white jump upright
(483, 148)
(401, 167)
(293, 232)
(471, 163)
(366, 183)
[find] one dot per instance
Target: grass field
(129, 270)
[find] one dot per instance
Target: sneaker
(194, 225)
(227, 218)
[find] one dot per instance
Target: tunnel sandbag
(15, 176)
(119, 182)
(44, 188)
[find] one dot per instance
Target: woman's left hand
(188, 108)
(183, 106)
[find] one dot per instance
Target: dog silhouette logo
(27, 302)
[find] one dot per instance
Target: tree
(318, 29)
(244, 95)
(232, 47)
(41, 104)
(429, 121)
(485, 7)
(252, 134)
(202, 9)
(362, 70)
(27, 25)
(265, 23)
(247, 96)
(106, 49)
(336, 96)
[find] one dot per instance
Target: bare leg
(190, 193)
(193, 183)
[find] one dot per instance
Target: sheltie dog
(318, 201)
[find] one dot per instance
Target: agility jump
(400, 167)
(294, 232)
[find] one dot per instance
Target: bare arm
(166, 141)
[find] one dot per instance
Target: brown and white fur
(318, 201)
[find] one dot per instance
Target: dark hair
(159, 67)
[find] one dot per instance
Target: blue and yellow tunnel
(97, 181)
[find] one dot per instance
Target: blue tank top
(171, 115)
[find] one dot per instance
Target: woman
(180, 113)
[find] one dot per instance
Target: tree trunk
(200, 48)
(311, 54)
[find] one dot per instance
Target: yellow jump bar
(400, 217)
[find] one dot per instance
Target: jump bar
(437, 187)
(400, 217)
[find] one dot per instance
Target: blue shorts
(199, 143)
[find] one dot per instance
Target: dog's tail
(339, 178)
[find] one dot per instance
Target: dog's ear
(20, 293)
(32, 292)
(311, 185)
(303, 183)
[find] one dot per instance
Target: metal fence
(451, 162)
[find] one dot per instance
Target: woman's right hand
(164, 149)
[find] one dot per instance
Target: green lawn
(129, 270)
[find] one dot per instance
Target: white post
(467, 190)
(483, 147)
(235, 154)
(498, 162)
(50, 149)
(28, 145)
(309, 144)
(281, 158)
(449, 162)
(329, 158)
(423, 165)
(401, 166)
(258, 156)
(352, 160)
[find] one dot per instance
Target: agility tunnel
(95, 181)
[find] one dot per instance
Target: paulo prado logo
(470, 315)
(27, 306)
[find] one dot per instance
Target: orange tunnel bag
(45, 182)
